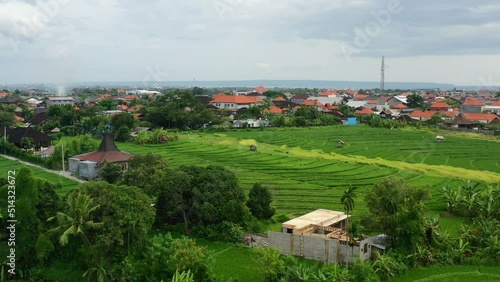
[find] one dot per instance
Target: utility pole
(62, 150)
(382, 76)
(5, 139)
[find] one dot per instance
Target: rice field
(406, 145)
(315, 175)
(451, 274)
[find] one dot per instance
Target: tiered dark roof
(16, 135)
(108, 152)
(461, 120)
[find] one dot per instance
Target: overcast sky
(445, 41)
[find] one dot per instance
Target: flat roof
(318, 217)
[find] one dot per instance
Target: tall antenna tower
(382, 76)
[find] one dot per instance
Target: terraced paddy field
(313, 176)
(406, 145)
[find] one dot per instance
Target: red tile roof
(313, 103)
(372, 102)
(476, 117)
(473, 102)
(130, 97)
(240, 100)
(261, 89)
(496, 104)
(123, 107)
(274, 110)
(328, 93)
(429, 114)
(279, 99)
(3, 94)
(440, 105)
(360, 97)
(365, 111)
(399, 106)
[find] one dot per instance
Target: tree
(127, 216)
(348, 201)
(76, 221)
(259, 202)
(205, 196)
(110, 172)
(107, 104)
(6, 119)
(123, 134)
(397, 209)
(415, 101)
(147, 172)
(435, 119)
(122, 119)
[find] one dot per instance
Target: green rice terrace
(306, 169)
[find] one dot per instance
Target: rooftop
(318, 217)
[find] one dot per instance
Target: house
(87, 165)
(493, 108)
(386, 114)
(482, 118)
(223, 101)
(39, 119)
(261, 89)
(299, 98)
(313, 103)
(252, 123)
(59, 101)
(365, 111)
(4, 94)
(329, 93)
(426, 115)
(360, 97)
(472, 106)
(320, 235)
(461, 121)
(440, 107)
(273, 110)
(18, 136)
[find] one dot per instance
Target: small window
(365, 248)
(289, 230)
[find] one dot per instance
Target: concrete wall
(74, 164)
(322, 249)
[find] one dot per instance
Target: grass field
(451, 274)
(66, 184)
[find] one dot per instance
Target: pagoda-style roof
(16, 135)
(461, 120)
(108, 152)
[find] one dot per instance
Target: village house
(472, 106)
(87, 165)
(59, 101)
(440, 107)
(299, 99)
(223, 101)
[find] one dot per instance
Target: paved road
(66, 174)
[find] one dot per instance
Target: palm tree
(348, 201)
(76, 219)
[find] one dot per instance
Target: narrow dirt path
(66, 174)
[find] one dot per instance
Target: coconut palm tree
(348, 201)
(76, 221)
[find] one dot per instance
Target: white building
(60, 101)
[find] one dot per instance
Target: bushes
(224, 232)
(156, 136)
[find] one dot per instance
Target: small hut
(440, 138)
(253, 147)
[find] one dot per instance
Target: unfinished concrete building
(320, 235)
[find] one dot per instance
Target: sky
(70, 41)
